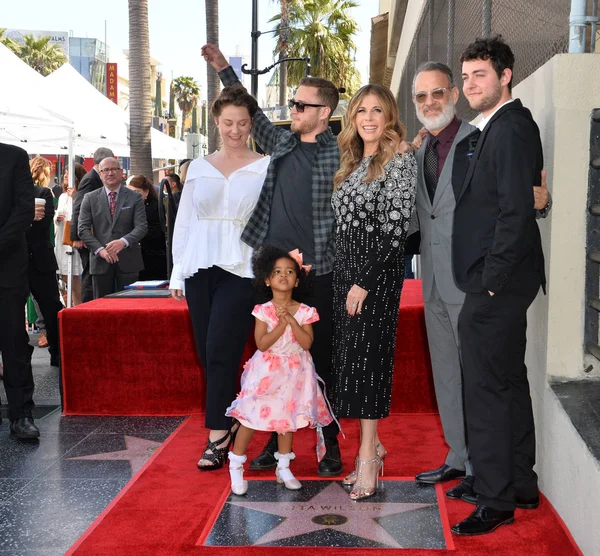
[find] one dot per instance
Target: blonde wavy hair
(38, 166)
(351, 144)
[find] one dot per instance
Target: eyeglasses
(300, 106)
(436, 94)
(110, 170)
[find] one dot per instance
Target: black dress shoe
(483, 520)
(528, 503)
(522, 503)
(24, 428)
(440, 475)
(331, 464)
(266, 459)
(470, 497)
(462, 488)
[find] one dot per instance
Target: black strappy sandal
(219, 455)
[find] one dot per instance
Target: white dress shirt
(483, 122)
(212, 214)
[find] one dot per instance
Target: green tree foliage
(40, 55)
(186, 92)
(323, 30)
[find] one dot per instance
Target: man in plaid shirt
(294, 212)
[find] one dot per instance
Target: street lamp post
(254, 72)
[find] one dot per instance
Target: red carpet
(137, 357)
(166, 507)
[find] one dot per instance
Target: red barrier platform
(137, 357)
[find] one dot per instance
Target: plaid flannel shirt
(277, 142)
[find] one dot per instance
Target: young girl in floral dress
(280, 390)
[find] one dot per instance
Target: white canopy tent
(37, 113)
(25, 117)
(92, 111)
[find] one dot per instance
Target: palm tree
(186, 92)
(282, 44)
(140, 99)
(40, 55)
(9, 43)
(212, 79)
(323, 30)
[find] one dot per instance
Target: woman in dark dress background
(373, 200)
(153, 245)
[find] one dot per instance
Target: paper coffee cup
(40, 202)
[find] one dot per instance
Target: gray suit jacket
(97, 228)
(435, 223)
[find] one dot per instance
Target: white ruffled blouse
(212, 214)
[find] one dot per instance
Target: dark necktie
(112, 202)
(430, 169)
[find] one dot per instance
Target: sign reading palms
(186, 92)
(322, 30)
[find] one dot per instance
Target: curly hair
(263, 262)
(351, 144)
(38, 167)
(234, 95)
(494, 49)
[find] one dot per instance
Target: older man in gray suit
(435, 97)
(112, 222)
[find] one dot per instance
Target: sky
(177, 29)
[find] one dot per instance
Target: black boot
(266, 459)
(331, 464)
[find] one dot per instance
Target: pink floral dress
(280, 390)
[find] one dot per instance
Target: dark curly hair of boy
(263, 262)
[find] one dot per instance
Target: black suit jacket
(16, 214)
(496, 242)
(90, 182)
(39, 244)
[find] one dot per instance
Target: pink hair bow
(297, 256)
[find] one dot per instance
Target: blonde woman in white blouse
(63, 214)
(212, 265)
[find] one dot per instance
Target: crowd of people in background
(47, 264)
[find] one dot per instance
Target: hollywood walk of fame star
(137, 452)
(331, 509)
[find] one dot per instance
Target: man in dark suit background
(41, 272)
(16, 214)
(112, 222)
(90, 182)
(498, 262)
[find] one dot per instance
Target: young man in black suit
(90, 182)
(499, 264)
(16, 215)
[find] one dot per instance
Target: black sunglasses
(300, 106)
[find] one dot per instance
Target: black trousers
(44, 288)
(16, 352)
(321, 298)
(499, 417)
(220, 305)
(111, 281)
(87, 289)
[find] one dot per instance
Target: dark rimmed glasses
(300, 106)
(436, 94)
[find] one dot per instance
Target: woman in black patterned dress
(373, 200)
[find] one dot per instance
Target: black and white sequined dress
(372, 221)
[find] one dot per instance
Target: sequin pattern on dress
(372, 221)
